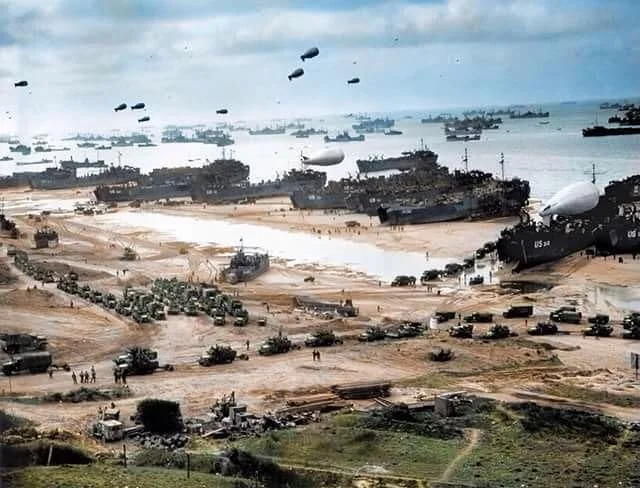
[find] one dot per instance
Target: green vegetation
(105, 476)
(74, 396)
(345, 443)
(592, 396)
(8, 421)
(551, 447)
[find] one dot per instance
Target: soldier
(50, 371)
(86, 376)
(247, 343)
(116, 375)
(93, 374)
(318, 355)
(124, 376)
(74, 378)
(71, 304)
(314, 354)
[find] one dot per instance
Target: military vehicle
(543, 328)
(322, 338)
(430, 275)
(463, 331)
(109, 300)
(275, 345)
(219, 318)
(631, 320)
(217, 355)
(373, 334)
(445, 316)
(632, 332)
(245, 267)
(479, 318)
(138, 361)
(566, 316)
(34, 362)
(476, 280)
(19, 343)
(599, 318)
(499, 332)
(405, 330)
(598, 330)
(402, 280)
(140, 315)
(129, 254)
(45, 237)
(518, 311)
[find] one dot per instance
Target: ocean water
(548, 156)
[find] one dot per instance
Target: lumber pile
(362, 391)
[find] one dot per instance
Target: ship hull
(618, 131)
(539, 247)
(233, 194)
(241, 275)
(619, 238)
(78, 182)
(424, 215)
(318, 201)
(154, 192)
(401, 164)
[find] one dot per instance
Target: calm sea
(550, 156)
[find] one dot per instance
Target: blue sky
(186, 59)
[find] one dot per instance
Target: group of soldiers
(84, 376)
(316, 355)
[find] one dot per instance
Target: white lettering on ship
(539, 244)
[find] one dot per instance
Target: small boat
(543, 122)
(392, 132)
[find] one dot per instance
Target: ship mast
(593, 173)
(501, 163)
(465, 160)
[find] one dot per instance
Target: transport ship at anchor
(408, 160)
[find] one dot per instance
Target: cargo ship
(601, 131)
(529, 115)
(268, 131)
(375, 125)
(292, 181)
(408, 160)
(245, 267)
(613, 226)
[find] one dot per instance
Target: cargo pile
(362, 391)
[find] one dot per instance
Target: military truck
(275, 345)
(599, 318)
(445, 316)
(498, 331)
(462, 331)
(566, 316)
(405, 330)
(322, 338)
(429, 275)
(476, 280)
(518, 311)
(138, 361)
(543, 328)
(372, 334)
(598, 330)
(402, 280)
(631, 332)
(34, 362)
(217, 355)
(219, 318)
(453, 269)
(479, 318)
(18, 343)
(631, 320)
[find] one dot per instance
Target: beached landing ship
(45, 237)
(292, 181)
(245, 267)
(612, 225)
(57, 179)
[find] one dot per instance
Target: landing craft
(122, 106)
(328, 157)
(310, 53)
(296, 74)
(21, 83)
(572, 200)
(144, 119)
(222, 111)
(138, 106)
(353, 81)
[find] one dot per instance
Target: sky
(185, 59)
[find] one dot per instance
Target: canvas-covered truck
(34, 362)
(518, 311)
(20, 343)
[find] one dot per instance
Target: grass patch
(432, 380)
(87, 395)
(344, 443)
(8, 421)
(592, 396)
(552, 447)
(105, 476)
